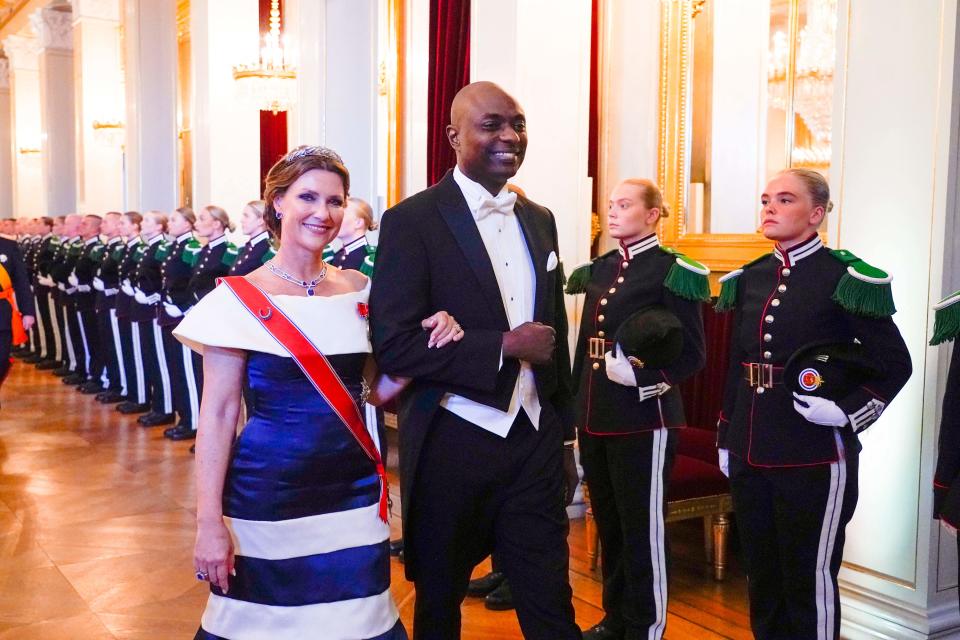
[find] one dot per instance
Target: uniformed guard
(16, 302)
(258, 249)
(31, 351)
(176, 270)
(46, 291)
(356, 252)
(137, 392)
(106, 283)
(792, 457)
(946, 480)
(90, 362)
(60, 271)
(147, 296)
(628, 405)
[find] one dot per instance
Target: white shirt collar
(90, 241)
(355, 244)
(155, 239)
(260, 237)
(135, 240)
(632, 250)
(114, 240)
(184, 236)
(217, 242)
(473, 192)
(795, 254)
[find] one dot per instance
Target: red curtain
(703, 393)
(273, 141)
(449, 72)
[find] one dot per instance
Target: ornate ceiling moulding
(22, 51)
(53, 28)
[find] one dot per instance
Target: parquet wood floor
(97, 527)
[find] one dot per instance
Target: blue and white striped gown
(300, 497)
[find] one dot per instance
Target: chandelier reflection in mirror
(803, 66)
(270, 83)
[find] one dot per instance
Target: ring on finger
(202, 576)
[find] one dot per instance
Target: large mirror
(746, 89)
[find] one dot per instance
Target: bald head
(488, 132)
(71, 225)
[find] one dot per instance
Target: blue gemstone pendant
(309, 292)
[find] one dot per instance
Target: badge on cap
(810, 379)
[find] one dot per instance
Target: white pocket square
(552, 261)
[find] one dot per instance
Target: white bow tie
(503, 203)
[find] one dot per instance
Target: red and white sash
(314, 365)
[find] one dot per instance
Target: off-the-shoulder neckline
(330, 297)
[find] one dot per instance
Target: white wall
(226, 125)
(6, 148)
(151, 85)
(57, 117)
(890, 166)
(29, 198)
(416, 73)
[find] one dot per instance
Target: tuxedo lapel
(537, 247)
(455, 212)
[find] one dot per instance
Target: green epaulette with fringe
(269, 254)
(687, 278)
(191, 252)
(579, 277)
(163, 250)
(946, 324)
(863, 289)
(727, 300)
(230, 255)
(366, 268)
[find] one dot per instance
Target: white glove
(98, 284)
(127, 289)
(139, 296)
(172, 310)
(820, 411)
(110, 292)
(72, 279)
(83, 288)
(61, 287)
(723, 459)
(619, 369)
(46, 281)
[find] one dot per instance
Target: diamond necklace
(309, 286)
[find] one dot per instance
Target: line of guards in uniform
(110, 289)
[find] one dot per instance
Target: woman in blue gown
(289, 532)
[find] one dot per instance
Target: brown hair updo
(817, 186)
(187, 214)
(288, 170)
(650, 194)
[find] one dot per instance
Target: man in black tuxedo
(486, 459)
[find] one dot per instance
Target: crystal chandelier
(270, 83)
(813, 78)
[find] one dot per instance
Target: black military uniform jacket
(210, 266)
(132, 252)
(146, 279)
(621, 283)
(253, 254)
(85, 270)
(175, 272)
(946, 481)
(353, 254)
(106, 282)
(12, 261)
(783, 301)
(62, 268)
(43, 260)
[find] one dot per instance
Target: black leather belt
(596, 347)
(759, 374)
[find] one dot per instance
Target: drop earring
(279, 214)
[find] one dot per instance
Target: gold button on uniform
(760, 390)
(767, 337)
(782, 288)
(624, 264)
(775, 302)
(786, 272)
(620, 279)
(767, 355)
(600, 318)
(596, 365)
(603, 301)
(600, 334)
(768, 319)
(613, 289)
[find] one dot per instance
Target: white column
(99, 91)
(416, 62)
(29, 198)
(226, 126)
(54, 30)
(549, 74)
(896, 191)
(150, 38)
(337, 82)
(630, 49)
(6, 143)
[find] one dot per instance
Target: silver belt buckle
(760, 375)
(595, 348)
